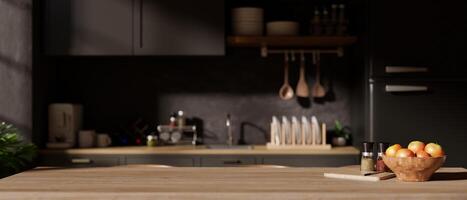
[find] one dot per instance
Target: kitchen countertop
(152, 182)
(201, 150)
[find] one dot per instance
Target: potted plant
(15, 155)
(341, 134)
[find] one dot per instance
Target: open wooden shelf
(291, 41)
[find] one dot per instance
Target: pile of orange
(415, 149)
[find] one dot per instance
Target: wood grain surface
(201, 150)
(153, 182)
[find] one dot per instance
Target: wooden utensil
(317, 89)
(286, 92)
(302, 86)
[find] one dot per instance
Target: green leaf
(338, 125)
(15, 155)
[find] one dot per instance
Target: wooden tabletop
(150, 182)
(202, 150)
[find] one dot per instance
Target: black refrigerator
(417, 74)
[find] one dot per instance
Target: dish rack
(304, 135)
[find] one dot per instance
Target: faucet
(229, 131)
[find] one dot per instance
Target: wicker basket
(413, 168)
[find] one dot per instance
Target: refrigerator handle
(371, 111)
(405, 88)
(141, 18)
(405, 69)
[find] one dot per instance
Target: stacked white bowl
(247, 21)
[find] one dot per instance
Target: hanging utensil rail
(265, 51)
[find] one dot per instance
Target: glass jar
(367, 163)
(380, 166)
(151, 141)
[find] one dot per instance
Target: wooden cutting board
(353, 173)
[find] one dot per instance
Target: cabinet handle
(141, 24)
(64, 119)
(81, 161)
(406, 88)
(232, 162)
(405, 69)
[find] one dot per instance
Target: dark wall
(16, 64)
(118, 90)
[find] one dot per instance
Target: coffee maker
(65, 120)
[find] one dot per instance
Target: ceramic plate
(316, 129)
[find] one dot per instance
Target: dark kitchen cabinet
(67, 160)
(226, 161)
(430, 111)
(179, 27)
(311, 161)
(133, 27)
(87, 27)
(76, 158)
(171, 160)
(423, 38)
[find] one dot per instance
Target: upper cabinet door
(88, 27)
(423, 34)
(179, 27)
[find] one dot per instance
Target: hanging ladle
(317, 90)
(302, 86)
(286, 92)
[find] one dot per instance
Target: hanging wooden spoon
(286, 92)
(302, 86)
(317, 89)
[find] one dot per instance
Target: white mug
(103, 140)
(87, 138)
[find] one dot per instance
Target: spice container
(151, 140)
(380, 166)
(367, 163)
(341, 28)
(316, 26)
(180, 119)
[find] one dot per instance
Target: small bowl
(247, 14)
(282, 28)
(414, 169)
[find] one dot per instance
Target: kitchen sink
(223, 146)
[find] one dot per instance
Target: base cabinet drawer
(310, 161)
(171, 160)
(100, 160)
(80, 160)
(227, 161)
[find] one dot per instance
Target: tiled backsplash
(117, 90)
